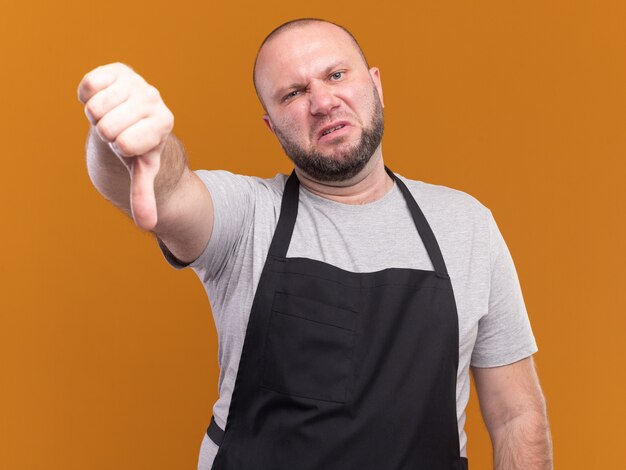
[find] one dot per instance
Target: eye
(291, 94)
(337, 75)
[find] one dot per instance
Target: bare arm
(514, 411)
(135, 161)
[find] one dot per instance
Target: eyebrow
(295, 85)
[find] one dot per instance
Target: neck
(369, 185)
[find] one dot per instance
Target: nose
(322, 98)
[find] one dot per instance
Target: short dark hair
(294, 24)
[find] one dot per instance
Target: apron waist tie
(215, 433)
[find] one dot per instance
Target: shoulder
(443, 200)
(223, 182)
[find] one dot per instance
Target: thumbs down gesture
(130, 116)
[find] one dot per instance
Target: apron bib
(342, 370)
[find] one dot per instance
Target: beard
(338, 165)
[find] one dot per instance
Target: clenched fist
(129, 115)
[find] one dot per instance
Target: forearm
(111, 176)
(523, 443)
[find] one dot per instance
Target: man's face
(323, 104)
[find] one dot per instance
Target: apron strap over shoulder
(287, 219)
(426, 233)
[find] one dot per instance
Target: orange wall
(108, 356)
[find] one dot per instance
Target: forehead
(301, 52)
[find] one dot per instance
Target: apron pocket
(308, 350)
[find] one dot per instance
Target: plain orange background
(108, 357)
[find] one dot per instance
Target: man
(349, 302)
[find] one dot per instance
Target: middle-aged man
(350, 302)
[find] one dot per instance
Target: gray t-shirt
(494, 328)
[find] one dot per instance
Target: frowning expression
(322, 102)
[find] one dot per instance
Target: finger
(96, 80)
(121, 118)
(142, 197)
(140, 138)
(106, 100)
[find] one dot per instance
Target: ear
(268, 123)
(375, 74)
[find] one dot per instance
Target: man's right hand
(129, 115)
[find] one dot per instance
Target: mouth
(329, 130)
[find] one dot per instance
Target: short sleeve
(233, 204)
(504, 333)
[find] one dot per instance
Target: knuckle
(162, 114)
(125, 145)
(122, 67)
(87, 84)
(94, 81)
(105, 131)
(112, 98)
(153, 93)
(168, 120)
(92, 110)
(124, 73)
